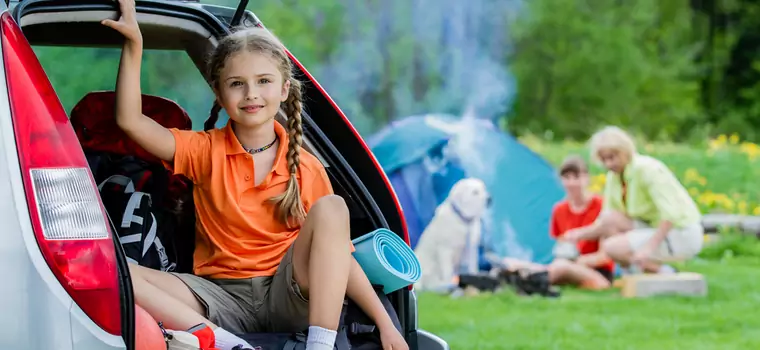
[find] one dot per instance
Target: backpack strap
(296, 342)
(119, 180)
(356, 328)
(150, 238)
(165, 265)
(129, 212)
(341, 340)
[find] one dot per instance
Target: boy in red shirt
(592, 269)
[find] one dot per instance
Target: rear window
(75, 71)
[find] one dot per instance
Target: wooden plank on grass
(751, 225)
(747, 224)
(647, 285)
(714, 222)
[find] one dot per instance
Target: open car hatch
(195, 28)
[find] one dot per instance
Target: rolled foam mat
(387, 260)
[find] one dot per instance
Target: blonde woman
(648, 217)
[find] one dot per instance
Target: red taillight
(67, 216)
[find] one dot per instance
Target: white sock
(320, 339)
(226, 340)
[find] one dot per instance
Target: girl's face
(613, 160)
(251, 89)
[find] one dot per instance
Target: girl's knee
(331, 209)
(332, 205)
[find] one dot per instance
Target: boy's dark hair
(573, 165)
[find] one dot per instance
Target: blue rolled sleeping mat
(387, 260)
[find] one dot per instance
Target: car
(65, 278)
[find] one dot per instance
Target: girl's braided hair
(289, 208)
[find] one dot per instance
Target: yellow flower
(734, 139)
(706, 198)
(742, 207)
(756, 211)
(750, 149)
(717, 143)
(691, 174)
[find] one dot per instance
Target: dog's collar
(460, 214)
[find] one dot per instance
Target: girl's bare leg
(166, 298)
(322, 260)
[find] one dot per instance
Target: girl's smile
(251, 109)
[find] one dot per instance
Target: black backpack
(134, 218)
(161, 200)
(356, 331)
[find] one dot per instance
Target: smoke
(410, 57)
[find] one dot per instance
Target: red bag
(94, 122)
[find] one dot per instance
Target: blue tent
(425, 155)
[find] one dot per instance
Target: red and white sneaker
(205, 335)
(199, 337)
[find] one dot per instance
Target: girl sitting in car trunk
(273, 249)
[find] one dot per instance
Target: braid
(213, 117)
(289, 205)
(293, 108)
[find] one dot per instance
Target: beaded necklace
(261, 149)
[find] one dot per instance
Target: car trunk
(194, 28)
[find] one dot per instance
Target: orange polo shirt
(237, 233)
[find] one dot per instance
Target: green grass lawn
(721, 176)
(725, 319)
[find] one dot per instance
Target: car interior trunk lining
(82, 29)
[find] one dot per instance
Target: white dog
(452, 238)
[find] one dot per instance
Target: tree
(580, 64)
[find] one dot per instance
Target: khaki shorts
(681, 243)
(259, 304)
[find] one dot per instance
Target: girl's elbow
(125, 123)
